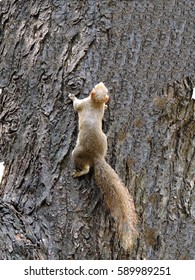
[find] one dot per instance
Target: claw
(74, 174)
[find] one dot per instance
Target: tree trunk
(143, 52)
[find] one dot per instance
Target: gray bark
(144, 52)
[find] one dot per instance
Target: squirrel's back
(91, 141)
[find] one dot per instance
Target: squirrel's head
(100, 93)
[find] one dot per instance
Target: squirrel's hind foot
(78, 173)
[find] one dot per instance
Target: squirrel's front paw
(72, 96)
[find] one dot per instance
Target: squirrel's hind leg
(82, 165)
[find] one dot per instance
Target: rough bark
(143, 51)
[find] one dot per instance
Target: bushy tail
(118, 200)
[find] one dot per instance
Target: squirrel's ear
(106, 98)
(92, 94)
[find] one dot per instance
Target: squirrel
(90, 150)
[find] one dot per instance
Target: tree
(142, 50)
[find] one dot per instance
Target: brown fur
(90, 150)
